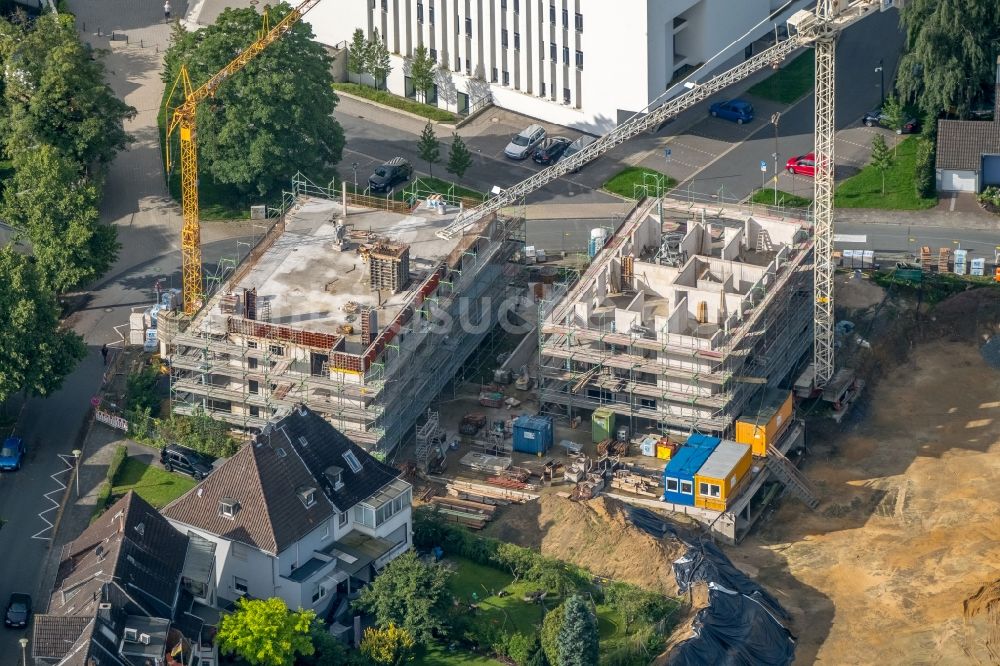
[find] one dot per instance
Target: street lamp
(76, 465)
(881, 80)
(24, 650)
(354, 165)
(775, 117)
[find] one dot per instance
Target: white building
(301, 513)
(586, 64)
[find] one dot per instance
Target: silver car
(523, 144)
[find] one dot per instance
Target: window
(254, 410)
(252, 363)
(240, 585)
(468, 27)
(541, 90)
(458, 64)
(703, 488)
(552, 51)
(714, 490)
(342, 519)
(687, 487)
(517, 41)
(277, 350)
(503, 37)
(420, 12)
(131, 635)
(434, 55)
(318, 593)
(430, 14)
(364, 515)
(506, 78)
(251, 344)
(648, 403)
(326, 531)
(552, 13)
(565, 15)
(566, 96)
(517, 6)
(308, 496)
(503, 4)
(579, 59)
(579, 22)
(565, 55)
(253, 386)
(385, 6)
(495, 75)
(672, 485)
(228, 507)
(352, 462)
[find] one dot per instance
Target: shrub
(117, 458)
(141, 390)
(924, 177)
(103, 500)
(549, 638)
(990, 196)
(521, 649)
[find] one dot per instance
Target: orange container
(766, 420)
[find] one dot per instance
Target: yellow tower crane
(184, 118)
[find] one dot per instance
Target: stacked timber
(469, 513)
(476, 492)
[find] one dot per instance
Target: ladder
(790, 476)
(764, 241)
(265, 312)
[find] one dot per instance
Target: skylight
(352, 462)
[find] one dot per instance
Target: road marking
(850, 238)
(69, 460)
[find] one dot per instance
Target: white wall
(258, 567)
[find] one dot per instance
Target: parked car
(395, 171)
(12, 454)
(877, 117)
(18, 613)
(576, 147)
(550, 150)
(523, 144)
(803, 165)
(737, 110)
(176, 457)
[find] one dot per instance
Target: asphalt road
(737, 172)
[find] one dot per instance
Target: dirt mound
(965, 315)
(596, 535)
(982, 624)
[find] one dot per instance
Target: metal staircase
(430, 440)
(786, 472)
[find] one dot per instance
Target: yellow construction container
(765, 421)
(719, 479)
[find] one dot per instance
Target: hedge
(103, 500)
(119, 456)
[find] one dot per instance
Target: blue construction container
(532, 434)
(678, 475)
(702, 442)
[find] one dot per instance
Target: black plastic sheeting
(743, 625)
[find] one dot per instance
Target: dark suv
(395, 171)
(176, 457)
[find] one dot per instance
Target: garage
(957, 180)
(991, 170)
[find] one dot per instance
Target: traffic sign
(763, 165)
(666, 154)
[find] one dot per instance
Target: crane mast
(183, 119)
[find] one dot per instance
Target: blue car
(12, 454)
(734, 109)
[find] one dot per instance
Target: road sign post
(763, 174)
(666, 154)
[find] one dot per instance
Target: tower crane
(817, 28)
(184, 119)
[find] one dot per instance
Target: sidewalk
(980, 220)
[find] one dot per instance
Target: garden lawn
(790, 82)
(509, 612)
(397, 102)
(157, 486)
(623, 183)
(766, 197)
(439, 655)
(864, 190)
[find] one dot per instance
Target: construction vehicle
(817, 28)
(183, 119)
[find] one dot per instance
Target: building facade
(586, 64)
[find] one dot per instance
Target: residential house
(968, 151)
(123, 595)
(301, 513)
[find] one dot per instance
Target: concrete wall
(253, 565)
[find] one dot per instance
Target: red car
(803, 165)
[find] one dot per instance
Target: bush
(990, 197)
(397, 102)
(140, 390)
(198, 431)
(549, 638)
(103, 500)
(119, 456)
(521, 649)
(924, 178)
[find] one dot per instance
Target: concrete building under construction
(680, 319)
(362, 317)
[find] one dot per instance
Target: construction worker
(166, 11)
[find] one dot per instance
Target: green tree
(422, 68)
(357, 62)
(894, 115)
(925, 176)
(387, 646)
(272, 119)
(459, 157)
(950, 53)
(56, 95)
(56, 208)
(577, 638)
(330, 651)
(35, 353)
(377, 61)
(263, 632)
(551, 627)
(412, 595)
(881, 157)
(428, 147)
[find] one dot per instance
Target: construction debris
(472, 423)
(608, 447)
(482, 462)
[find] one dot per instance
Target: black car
(395, 171)
(192, 463)
(877, 117)
(18, 612)
(550, 150)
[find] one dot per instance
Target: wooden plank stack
(469, 513)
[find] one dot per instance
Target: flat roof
(722, 461)
(687, 461)
(308, 283)
(769, 403)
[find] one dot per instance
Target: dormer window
(352, 461)
(308, 496)
(228, 507)
(131, 635)
(335, 476)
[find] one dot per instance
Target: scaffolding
(663, 380)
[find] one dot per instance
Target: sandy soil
(901, 562)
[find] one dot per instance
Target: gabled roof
(54, 636)
(269, 478)
(961, 144)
